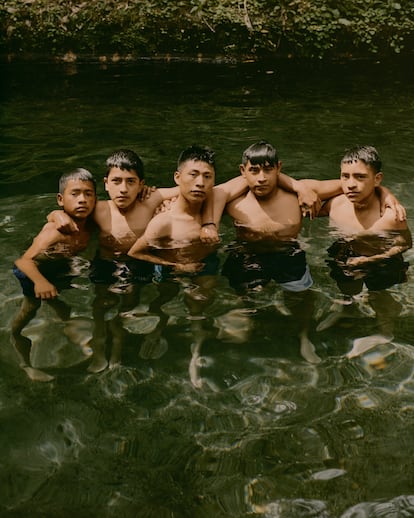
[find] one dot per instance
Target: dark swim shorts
(287, 267)
(211, 267)
(379, 275)
(57, 272)
(123, 273)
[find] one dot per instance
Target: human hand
(209, 234)
(355, 262)
(165, 205)
(389, 201)
(64, 223)
(392, 203)
(45, 290)
(146, 192)
(309, 202)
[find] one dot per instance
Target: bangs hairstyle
(367, 154)
(126, 160)
(260, 153)
(198, 153)
(77, 174)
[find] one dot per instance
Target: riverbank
(106, 30)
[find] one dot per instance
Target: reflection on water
(224, 418)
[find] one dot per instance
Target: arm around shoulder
(26, 263)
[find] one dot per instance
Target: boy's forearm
(140, 250)
(287, 183)
(233, 188)
(325, 189)
(167, 193)
(150, 258)
(62, 221)
(30, 269)
(224, 193)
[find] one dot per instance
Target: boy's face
(195, 179)
(78, 199)
(261, 178)
(358, 181)
(123, 187)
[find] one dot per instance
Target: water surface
(265, 433)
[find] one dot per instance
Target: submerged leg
(197, 300)
(60, 307)
(22, 344)
(301, 305)
(343, 308)
(387, 310)
(104, 301)
(155, 345)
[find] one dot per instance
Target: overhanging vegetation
(134, 28)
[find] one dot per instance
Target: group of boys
(138, 245)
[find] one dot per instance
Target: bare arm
(310, 192)
(215, 205)
(402, 242)
(141, 249)
(42, 287)
(63, 222)
(387, 199)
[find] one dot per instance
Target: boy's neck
(123, 210)
(370, 203)
(191, 208)
(81, 223)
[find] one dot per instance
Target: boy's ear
(279, 166)
(378, 178)
(106, 183)
(59, 199)
(177, 177)
(242, 169)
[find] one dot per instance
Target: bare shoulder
(47, 237)
(237, 203)
(389, 221)
(336, 204)
(101, 210)
(159, 224)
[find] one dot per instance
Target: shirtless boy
(118, 279)
(268, 220)
(172, 238)
(45, 267)
(370, 245)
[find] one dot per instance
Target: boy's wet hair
(199, 153)
(260, 153)
(77, 174)
(127, 160)
(367, 154)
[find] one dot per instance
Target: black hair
(76, 174)
(199, 153)
(367, 154)
(127, 160)
(260, 153)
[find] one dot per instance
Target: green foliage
(304, 28)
